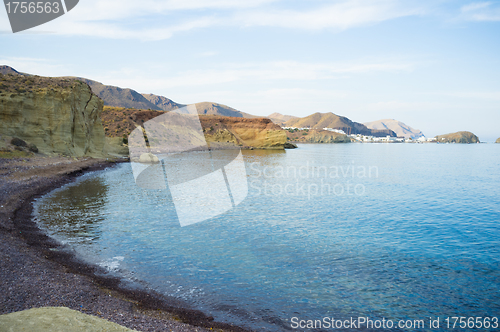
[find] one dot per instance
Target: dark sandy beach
(35, 271)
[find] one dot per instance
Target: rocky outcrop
(58, 116)
(221, 132)
(498, 140)
(260, 133)
(317, 136)
(458, 137)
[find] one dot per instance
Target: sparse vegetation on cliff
(220, 131)
(57, 115)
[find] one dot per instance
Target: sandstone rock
(149, 158)
(57, 116)
(221, 132)
(56, 319)
(259, 133)
(116, 147)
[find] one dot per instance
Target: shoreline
(36, 271)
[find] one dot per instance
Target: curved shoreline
(36, 271)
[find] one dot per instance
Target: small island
(498, 140)
(464, 137)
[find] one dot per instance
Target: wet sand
(35, 271)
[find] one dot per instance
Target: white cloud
(481, 11)
(67, 26)
(341, 15)
(157, 20)
(120, 9)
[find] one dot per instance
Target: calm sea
(399, 232)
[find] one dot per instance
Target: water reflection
(76, 212)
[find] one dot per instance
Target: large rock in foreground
(59, 116)
(459, 137)
(56, 319)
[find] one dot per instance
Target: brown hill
(209, 108)
(221, 132)
(333, 121)
(316, 136)
(129, 98)
(458, 137)
(116, 96)
(280, 119)
(162, 103)
(5, 70)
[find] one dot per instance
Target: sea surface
(398, 232)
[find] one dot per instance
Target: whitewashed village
(372, 139)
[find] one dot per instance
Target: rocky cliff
(316, 136)
(220, 132)
(59, 116)
(458, 137)
(258, 133)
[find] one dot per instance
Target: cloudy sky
(434, 65)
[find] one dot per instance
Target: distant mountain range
(280, 119)
(115, 96)
(401, 129)
(129, 98)
(333, 121)
(162, 103)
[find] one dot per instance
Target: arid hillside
(280, 119)
(315, 136)
(220, 131)
(319, 121)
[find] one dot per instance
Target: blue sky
(434, 65)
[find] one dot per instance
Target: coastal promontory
(458, 137)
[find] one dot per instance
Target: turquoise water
(384, 231)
